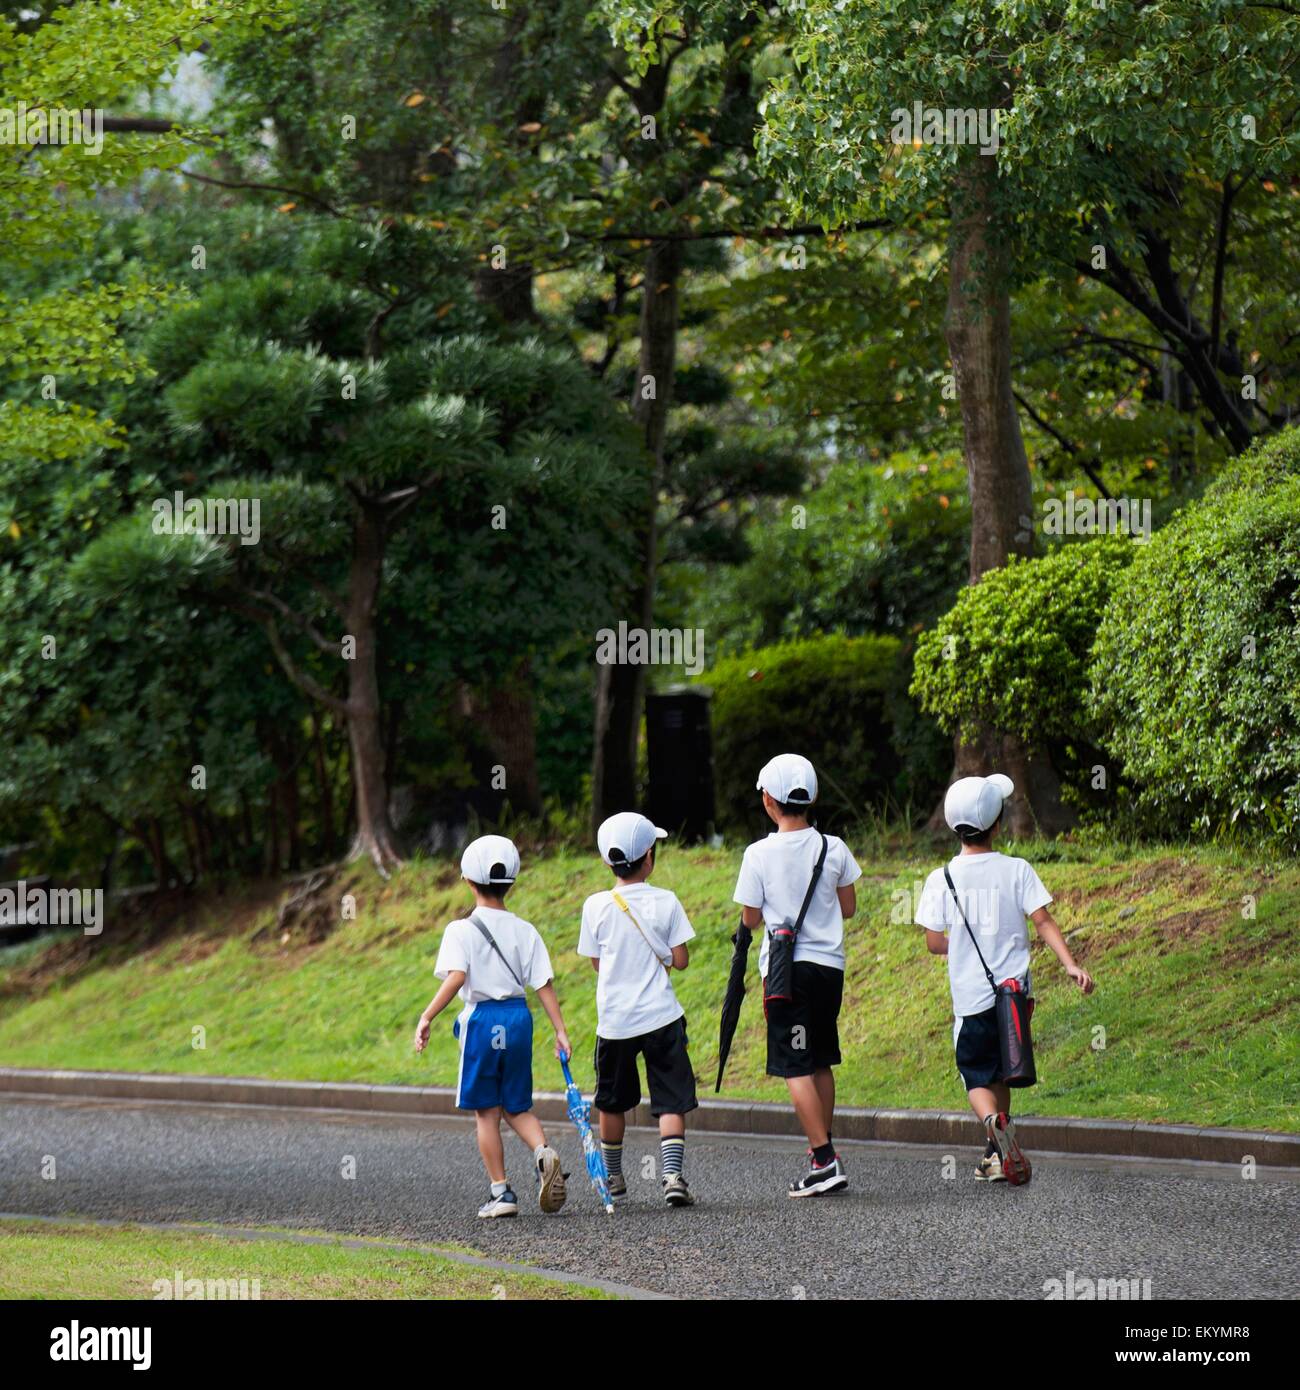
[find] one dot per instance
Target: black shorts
(803, 1033)
(668, 1072)
(979, 1052)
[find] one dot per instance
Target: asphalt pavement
(913, 1222)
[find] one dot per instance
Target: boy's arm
(752, 917)
(848, 896)
(1045, 924)
(450, 988)
(546, 994)
(936, 942)
(681, 957)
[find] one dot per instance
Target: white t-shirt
(486, 977)
(997, 893)
(633, 992)
(774, 876)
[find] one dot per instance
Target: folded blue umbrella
(580, 1114)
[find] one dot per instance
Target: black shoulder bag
(1014, 1010)
(778, 985)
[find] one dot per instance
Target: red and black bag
(1014, 1010)
(778, 983)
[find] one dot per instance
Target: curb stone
(1122, 1138)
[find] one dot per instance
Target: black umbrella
(735, 996)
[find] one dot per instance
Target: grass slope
(1195, 1019)
(39, 1261)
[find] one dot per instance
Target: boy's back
(634, 994)
(486, 975)
(997, 892)
(774, 876)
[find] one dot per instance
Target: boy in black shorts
(634, 935)
(803, 1041)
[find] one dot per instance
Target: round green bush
(827, 697)
(1012, 653)
(1196, 669)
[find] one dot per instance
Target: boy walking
(634, 935)
(995, 892)
(798, 870)
(491, 959)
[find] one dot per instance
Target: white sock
(500, 1187)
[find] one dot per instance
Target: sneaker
(507, 1204)
(989, 1169)
(551, 1192)
(1015, 1166)
(617, 1187)
(815, 1181)
(676, 1193)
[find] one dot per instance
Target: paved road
(902, 1230)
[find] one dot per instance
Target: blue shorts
(496, 1056)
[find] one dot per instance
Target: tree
(352, 445)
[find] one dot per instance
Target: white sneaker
(507, 1204)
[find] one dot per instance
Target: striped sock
(672, 1154)
(613, 1157)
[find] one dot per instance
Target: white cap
(976, 801)
(789, 777)
(624, 838)
(488, 853)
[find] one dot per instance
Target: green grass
(1198, 1006)
(76, 1260)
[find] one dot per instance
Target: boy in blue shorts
(491, 959)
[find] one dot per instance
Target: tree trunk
(977, 325)
(620, 688)
(324, 792)
(375, 837)
(508, 718)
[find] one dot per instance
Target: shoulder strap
(973, 942)
(492, 941)
(812, 884)
(622, 903)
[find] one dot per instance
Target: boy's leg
(618, 1090)
(551, 1190)
(670, 1079)
(488, 1124)
(529, 1128)
(808, 1108)
(824, 1079)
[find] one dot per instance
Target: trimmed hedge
(1013, 651)
(827, 697)
(1196, 669)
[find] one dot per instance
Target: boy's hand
(562, 1047)
(422, 1035)
(1080, 978)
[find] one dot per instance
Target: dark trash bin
(679, 752)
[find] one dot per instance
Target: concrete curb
(1123, 1138)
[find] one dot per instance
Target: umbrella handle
(568, 1075)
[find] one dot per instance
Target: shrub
(1196, 670)
(1012, 653)
(827, 697)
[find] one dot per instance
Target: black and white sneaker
(507, 1204)
(829, 1178)
(676, 1193)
